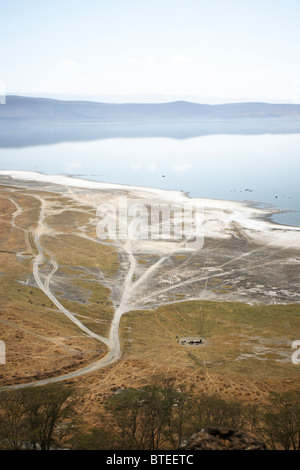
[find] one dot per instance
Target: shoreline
(247, 258)
(254, 218)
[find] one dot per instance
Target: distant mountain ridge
(50, 110)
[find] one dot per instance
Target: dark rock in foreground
(222, 439)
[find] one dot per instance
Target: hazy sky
(218, 48)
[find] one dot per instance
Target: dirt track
(244, 261)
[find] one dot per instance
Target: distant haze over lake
(41, 109)
(149, 98)
(239, 151)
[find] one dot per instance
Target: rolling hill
(43, 109)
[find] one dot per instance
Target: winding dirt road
(145, 287)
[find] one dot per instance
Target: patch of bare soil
(70, 299)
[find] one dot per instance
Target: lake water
(261, 168)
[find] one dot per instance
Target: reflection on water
(261, 168)
(19, 134)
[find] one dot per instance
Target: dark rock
(222, 439)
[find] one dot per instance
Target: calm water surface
(263, 169)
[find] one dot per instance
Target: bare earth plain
(109, 314)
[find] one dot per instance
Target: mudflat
(108, 313)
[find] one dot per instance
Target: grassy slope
(40, 340)
(251, 341)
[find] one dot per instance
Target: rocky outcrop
(222, 439)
